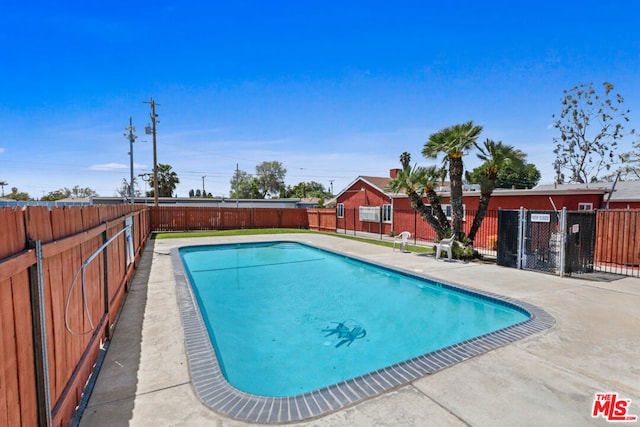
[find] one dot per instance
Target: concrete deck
(547, 379)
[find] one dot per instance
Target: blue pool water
(286, 318)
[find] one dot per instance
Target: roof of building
(382, 183)
(75, 200)
(377, 181)
(622, 191)
(309, 200)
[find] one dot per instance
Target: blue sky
(332, 90)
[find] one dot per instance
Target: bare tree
(630, 169)
(590, 127)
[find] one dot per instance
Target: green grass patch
(410, 248)
(249, 232)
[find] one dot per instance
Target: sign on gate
(540, 217)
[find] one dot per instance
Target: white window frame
(584, 206)
(387, 213)
(340, 210)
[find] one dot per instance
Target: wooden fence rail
(42, 383)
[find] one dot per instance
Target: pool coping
(216, 393)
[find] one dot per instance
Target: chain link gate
(548, 241)
(542, 240)
(508, 226)
(580, 242)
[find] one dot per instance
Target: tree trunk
(418, 205)
(436, 208)
(483, 205)
(455, 174)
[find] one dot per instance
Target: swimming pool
(354, 328)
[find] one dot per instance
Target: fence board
(90, 217)
(620, 236)
(93, 276)
(12, 238)
(8, 334)
(25, 351)
(64, 222)
(601, 225)
(115, 256)
(54, 302)
(633, 252)
(5, 355)
(38, 225)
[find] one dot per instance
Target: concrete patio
(547, 379)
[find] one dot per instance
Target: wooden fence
(617, 241)
(186, 218)
(55, 307)
(322, 219)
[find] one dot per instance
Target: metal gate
(508, 226)
(542, 241)
(548, 241)
(580, 242)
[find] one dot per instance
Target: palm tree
(496, 157)
(453, 141)
(405, 160)
(167, 180)
(430, 177)
(414, 181)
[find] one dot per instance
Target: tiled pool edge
(216, 393)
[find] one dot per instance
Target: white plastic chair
(402, 238)
(445, 245)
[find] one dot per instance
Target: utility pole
(2, 184)
(204, 194)
(152, 130)
(131, 137)
(331, 182)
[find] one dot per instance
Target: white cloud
(1, 150)
(108, 167)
